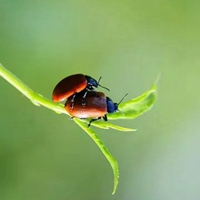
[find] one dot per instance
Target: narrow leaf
(104, 150)
(135, 107)
(106, 125)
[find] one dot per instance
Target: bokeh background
(45, 156)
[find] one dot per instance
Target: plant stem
(35, 98)
(38, 99)
(104, 150)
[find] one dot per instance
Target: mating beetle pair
(82, 100)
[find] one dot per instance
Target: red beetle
(96, 107)
(72, 85)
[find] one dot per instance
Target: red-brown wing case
(69, 86)
(95, 105)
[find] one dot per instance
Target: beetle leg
(105, 118)
(83, 99)
(72, 101)
(93, 120)
(90, 87)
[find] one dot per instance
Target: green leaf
(128, 110)
(135, 107)
(104, 150)
(106, 125)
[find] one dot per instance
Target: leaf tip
(157, 79)
(115, 187)
(154, 87)
(113, 192)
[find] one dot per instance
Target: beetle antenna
(122, 98)
(99, 79)
(104, 87)
(101, 85)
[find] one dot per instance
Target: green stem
(35, 98)
(104, 150)
(38, 99)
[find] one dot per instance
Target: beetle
(97, 106)
(74, 84)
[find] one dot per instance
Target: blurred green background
(46, 156)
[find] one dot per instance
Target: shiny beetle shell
(95, 105)
(68, 86)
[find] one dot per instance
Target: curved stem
(35, 98)
(104, 150)
(38, 99)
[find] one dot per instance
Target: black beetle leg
(72, 101)
(93, 120)
(105, 118)
(83, 100)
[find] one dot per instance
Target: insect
(74, 84)
(97, 106)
